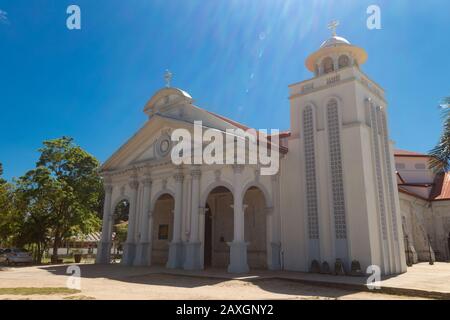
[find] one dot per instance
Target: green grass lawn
(40, 291)
(80, 297)
(69, 260)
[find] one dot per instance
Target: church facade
(334, 200)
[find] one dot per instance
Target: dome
(334, 41)
(165, 96)
(336, 46)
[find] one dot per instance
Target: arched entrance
(218, 230)
(162, 228)
(119, 229)
(255, 228)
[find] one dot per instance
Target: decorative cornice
(145, 165)
(333, 84)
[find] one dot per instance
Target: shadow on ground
(159, 276)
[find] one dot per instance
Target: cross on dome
(168, 77)
(332, 26)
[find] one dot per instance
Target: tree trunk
(55, 249)
(39, 254)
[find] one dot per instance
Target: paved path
(118, 282)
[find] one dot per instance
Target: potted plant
(77, 256)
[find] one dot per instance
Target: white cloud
(3, 17)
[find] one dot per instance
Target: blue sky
(235, 58)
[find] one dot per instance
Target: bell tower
(345, 182)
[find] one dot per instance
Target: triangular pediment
(168, 109)
(150, 144)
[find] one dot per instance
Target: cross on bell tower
(332, 26)
(168, 77)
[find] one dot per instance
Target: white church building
(335, 198)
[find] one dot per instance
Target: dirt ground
(122, 283)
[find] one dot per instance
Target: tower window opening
(343, 61)
(328, 65)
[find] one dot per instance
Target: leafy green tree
(2, 181)
(8, 219)
(121, 212)
(36, 193)
(440, 154)
(60, 198)
(75, 188)
(121, 230)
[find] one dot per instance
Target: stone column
(143, 248)
(201, 227)
(193, 261)
(104, 246)
(176, 246)
(238, 248)
(130, 246)
(274, 212)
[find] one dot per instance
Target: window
(343, 61)
(420, 166)
(400, 166)
(310, 171)
(328, 65)
(337, 180)
(163, 232)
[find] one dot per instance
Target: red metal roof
(282, 149)
(406, 153)
(403, 190)
(441, 189)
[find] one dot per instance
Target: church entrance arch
(219, 216)
(162, 228)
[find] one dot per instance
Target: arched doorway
(255, 228)
(219, 228)
(119, 229)
(162, 228)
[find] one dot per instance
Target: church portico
(168, 209)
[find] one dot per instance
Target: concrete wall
(422, 219)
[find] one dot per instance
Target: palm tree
(440, 154)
